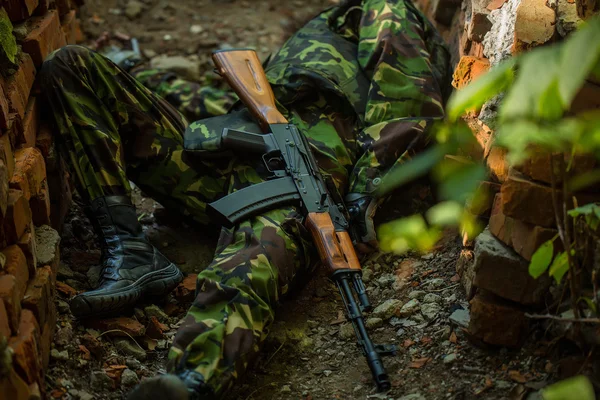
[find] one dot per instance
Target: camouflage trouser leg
(114, 129)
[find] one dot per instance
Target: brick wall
(34, 192)
(519, 213)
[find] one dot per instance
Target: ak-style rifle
(295, 180)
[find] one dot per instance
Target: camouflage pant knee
(115, 129)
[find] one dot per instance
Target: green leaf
(534, 93)
(591, 212)
(458, 181)
(590, 303)
(575, 388)
(410, 233)
(482, 89)
(541, 259)
(445, 213)
(580, 56)
(559, 266)
(418, 166)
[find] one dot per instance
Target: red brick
(122, 326)
(45, 36)
(18, 10)
(40, 206)
(12, 301)
(25, 344)
(587, 99)
(64, 6)
(497, 164)
(4, 177)
(479, 23)
(16, 265)
(39, 296)
(27, 245)
(30, 124)
(30, 172)
(69, 27)
(185, 292)
(522, 237)
(3, 108)
(44, 140)
(534, 24)
(531, 202)
(498, 269)
(496, 321)
(18, 86)
(7, 155)
(79, 35)
(469, 69)
(48, 335)
(15, 128)
(13, 387)
(156, 329)
(538, 166)
(4, 323)
(18, 216)
(443, 11)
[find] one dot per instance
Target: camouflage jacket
(363, 84)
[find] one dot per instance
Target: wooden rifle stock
(244, 73)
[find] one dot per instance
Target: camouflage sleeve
(409, 69)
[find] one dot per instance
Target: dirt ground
(311, 351)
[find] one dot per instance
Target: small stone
(155, 311)
(64, 335)
(93, 275)
(134, 9)
(450, 358)
(130, 349)
(128, 379)
(427, 256)
(149, 53)
(327, 372)
(346, 331)
(99, 380)
(64, 272)
(430, 310)
(84, 395)
(196, 29)
(432, 298)
(375, 322)
(400, 332)
(386, 280)
(410, 308)
(286, 389)
(444, 333)
(59, 355)
(367, 275)
(402, 322)
(133, 364)
(435, 283)
(417, 294)
(180, 65)
(461, 318)
(387, 309)
(412, 396)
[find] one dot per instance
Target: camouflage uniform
(363, 81)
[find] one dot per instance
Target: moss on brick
(8, 44)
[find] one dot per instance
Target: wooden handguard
(246, 76)
(335, 248)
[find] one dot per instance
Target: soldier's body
(363, 82)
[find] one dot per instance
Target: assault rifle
(295, 180)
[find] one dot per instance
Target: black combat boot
(188, 385)
(131, 266)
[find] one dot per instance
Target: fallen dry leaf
(340, 318)
(115, 371)
(453, 338)
(517, 376)
(419, 362)
(488, 384)
(426, 340)
(407, 343)
(86, 353)
(58, 393)
(65, 289)
(405, 270)
(455, 278)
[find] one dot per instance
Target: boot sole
(157, 283)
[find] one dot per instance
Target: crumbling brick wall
(519, 214)
(34, 192)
